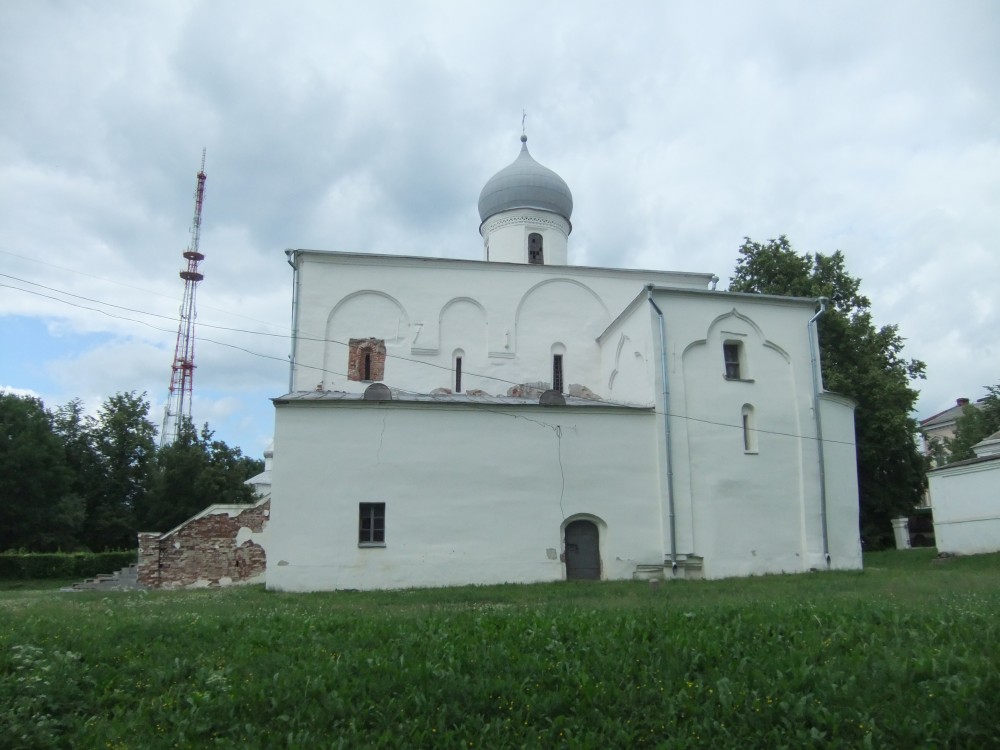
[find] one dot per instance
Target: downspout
(817, 389)
(666, 431)
(291, 255)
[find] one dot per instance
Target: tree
(936, 453)
(68, 480)
(975, 424)
(37, 509)
(860, 361)
(75, 429)
(193, 472)
(124, 440)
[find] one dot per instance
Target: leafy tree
(859, 361)
(937, 453)
(124, 440)
(37, 509)
(975, 424)
(76, 430)
(193, 472)
(69, 480)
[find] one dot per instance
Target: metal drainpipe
(291, 255)
(666, 431)
(817, 388)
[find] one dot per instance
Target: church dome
(525, 184)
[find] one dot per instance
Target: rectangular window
(731, 353)
(371, 527)
(557, 372)
(458, 374)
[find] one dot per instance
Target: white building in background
(966, 500)
(519, 419)
(937, 430)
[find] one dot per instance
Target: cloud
(24, 392)
(680, 128)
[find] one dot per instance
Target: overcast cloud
(871, 128)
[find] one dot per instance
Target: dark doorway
(583, 557)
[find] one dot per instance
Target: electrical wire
(326, 371)
(122, 283)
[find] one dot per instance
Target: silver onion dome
(525, 184)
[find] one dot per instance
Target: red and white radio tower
(182, 373)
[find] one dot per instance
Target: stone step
(122, 580)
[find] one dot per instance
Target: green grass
(904, 654)
(36, 584)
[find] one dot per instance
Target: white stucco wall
(756, 510)
(842, 503)
(628, 367)
(473, 494)
(505, 236)
(506, 317)
(966, 503)
(469, 487)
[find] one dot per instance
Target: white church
(520, 419)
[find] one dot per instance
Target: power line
(215, 327)
(120, 283)
(326, 371)
(130, 309)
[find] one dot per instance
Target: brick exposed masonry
(220, 546)
(357, 350)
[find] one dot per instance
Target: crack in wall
(562, 471)
(557, 431)
(381, 438)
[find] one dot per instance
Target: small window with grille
(557, 372)
(371, 526)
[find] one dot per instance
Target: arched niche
(365, 314)
(463, 323)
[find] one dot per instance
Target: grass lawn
(33, 584)
(905, 654)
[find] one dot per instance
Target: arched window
(749, 429)
(558, 367)
(458, 357)
(535, 254)
(366, 359)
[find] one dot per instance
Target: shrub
(21, 566)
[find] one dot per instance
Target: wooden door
(583, 556)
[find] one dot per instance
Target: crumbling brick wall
(220, 546)
(361, 351)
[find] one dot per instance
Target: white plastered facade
(966, 499)
(720, 473)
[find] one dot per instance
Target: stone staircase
(126, 579)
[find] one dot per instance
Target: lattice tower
(182, 372)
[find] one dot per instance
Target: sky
(681, 128)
